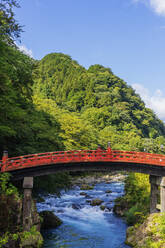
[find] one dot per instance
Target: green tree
(9, 27)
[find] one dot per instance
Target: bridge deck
(67, 157)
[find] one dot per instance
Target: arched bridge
(90, 160)
(83, 160)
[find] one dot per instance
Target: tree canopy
(9, 28)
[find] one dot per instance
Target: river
(86, 226)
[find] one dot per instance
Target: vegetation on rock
(150, 234)
(96, 202)
(11, 215)
(86, 187)
(134, 205)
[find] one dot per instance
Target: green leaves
(9, 27)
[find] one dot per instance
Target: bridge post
(4, 160)
(155, 182)
(27, 202)
(162, 195)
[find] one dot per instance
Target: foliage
(9, 27)
(22, 239)
(6, 187)
(4, 239)
(23, 129)
(94, 102)
(150, 234)
(58, 104)
(136, 199)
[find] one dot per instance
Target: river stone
(86, 187)
(109, 209)
(83, 193)
(108, 191)
(120, 206)
(60, 211)
(102, 207)
(96, 202)
(50, 220)
(76, 206)
(88, 196)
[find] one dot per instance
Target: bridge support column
(27, 202)
(162, 194)
(155, 182)
(4, 160)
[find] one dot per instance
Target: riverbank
(146, 230)
(150, 234)
(12, 233)
(98, 178)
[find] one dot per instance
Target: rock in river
(76, 206)
(86, 187)
(108, 191)
(50, 220)
(96, 202)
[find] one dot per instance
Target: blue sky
(126, 35)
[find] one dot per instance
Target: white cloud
(157, 5)
(156, 101)
(25, 50)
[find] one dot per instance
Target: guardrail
(65, 157)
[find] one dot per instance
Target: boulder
(50, 220)
(108, 209)
(120, 206)
(102, 207)
(86, 187)
(88, 196)
(83, 193)
(96, 202)
(108, 191)
(76, 206)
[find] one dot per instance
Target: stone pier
(157, 188)
(27, 203)
(162, 194)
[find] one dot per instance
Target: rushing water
(87, 226)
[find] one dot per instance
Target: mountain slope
(108, 107)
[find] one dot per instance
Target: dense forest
(57, 104)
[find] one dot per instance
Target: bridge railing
(59, 157)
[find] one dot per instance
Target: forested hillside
(23, 129)
(57, 104)
(94, 106)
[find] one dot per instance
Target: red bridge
(89, 160)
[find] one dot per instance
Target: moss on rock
(31, 239)
(150, 234)
(86, 187)
(96, 202)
